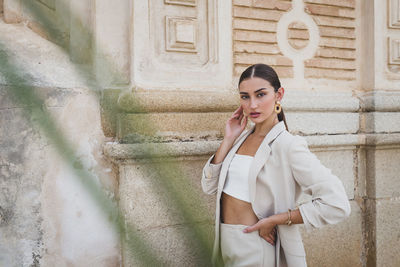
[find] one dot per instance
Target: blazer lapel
(261, 156)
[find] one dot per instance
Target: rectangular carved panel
(182, 43)
(394, 51)
(181, 34)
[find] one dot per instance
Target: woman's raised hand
(233, 128)
(235, 124)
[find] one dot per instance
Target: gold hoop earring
(278, 107)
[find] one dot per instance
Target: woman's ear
(280, 93)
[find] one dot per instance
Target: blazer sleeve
(209, 179)
(329, 204)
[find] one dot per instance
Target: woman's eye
(244, 97)
(260, 94)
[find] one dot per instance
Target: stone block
(160, 150)
(283, 72)
(146, 205)
(383, 173)
(144, 195)
(272, 60)
(302, 100)
(255, 47)
(342, 164)
(254, 25)
(381, 122)
(334, 11)
(379, 100)
(255, 36)
(336, 52)
(336, 245)
(174, 245)
(340, 3)
(139, 101)
(331, 63)
(174, 126)
(330, 74)
(388, 232)
(280, 5)
(256, 13)
(295, 33)
(242, 2)
(338, 32)
(334, 22)
(343, 43)
(309, 123)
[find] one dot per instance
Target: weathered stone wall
(169, 71)
(46, 217)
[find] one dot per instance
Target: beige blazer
(282, 168)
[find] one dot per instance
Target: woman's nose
(253, 103)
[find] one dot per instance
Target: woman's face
(257, 98)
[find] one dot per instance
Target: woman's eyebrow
(259, 90)
(245, 93)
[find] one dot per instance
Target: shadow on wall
(178, 190)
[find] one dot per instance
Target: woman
(258, 175)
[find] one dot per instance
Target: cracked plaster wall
(46, 216)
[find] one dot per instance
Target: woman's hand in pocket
(266, 229)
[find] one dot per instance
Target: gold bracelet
(289, 221)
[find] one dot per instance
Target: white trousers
(240, 249)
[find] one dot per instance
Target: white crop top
(237, 182)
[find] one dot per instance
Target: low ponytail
(281, 117)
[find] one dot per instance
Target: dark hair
(267, 73)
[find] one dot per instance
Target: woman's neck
(262, 129)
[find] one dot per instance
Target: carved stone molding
(297, 16)
(182, 44)
(181, 34)
(138, 101)
(394, 51)
(206, 148)
(394, 14)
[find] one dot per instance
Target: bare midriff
(236, 211)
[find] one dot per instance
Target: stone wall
(336, 56)
(254, 35)
(167, 72)
(46, 217)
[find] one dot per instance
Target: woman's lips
(254, 114)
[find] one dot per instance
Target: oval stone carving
(298, 35)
